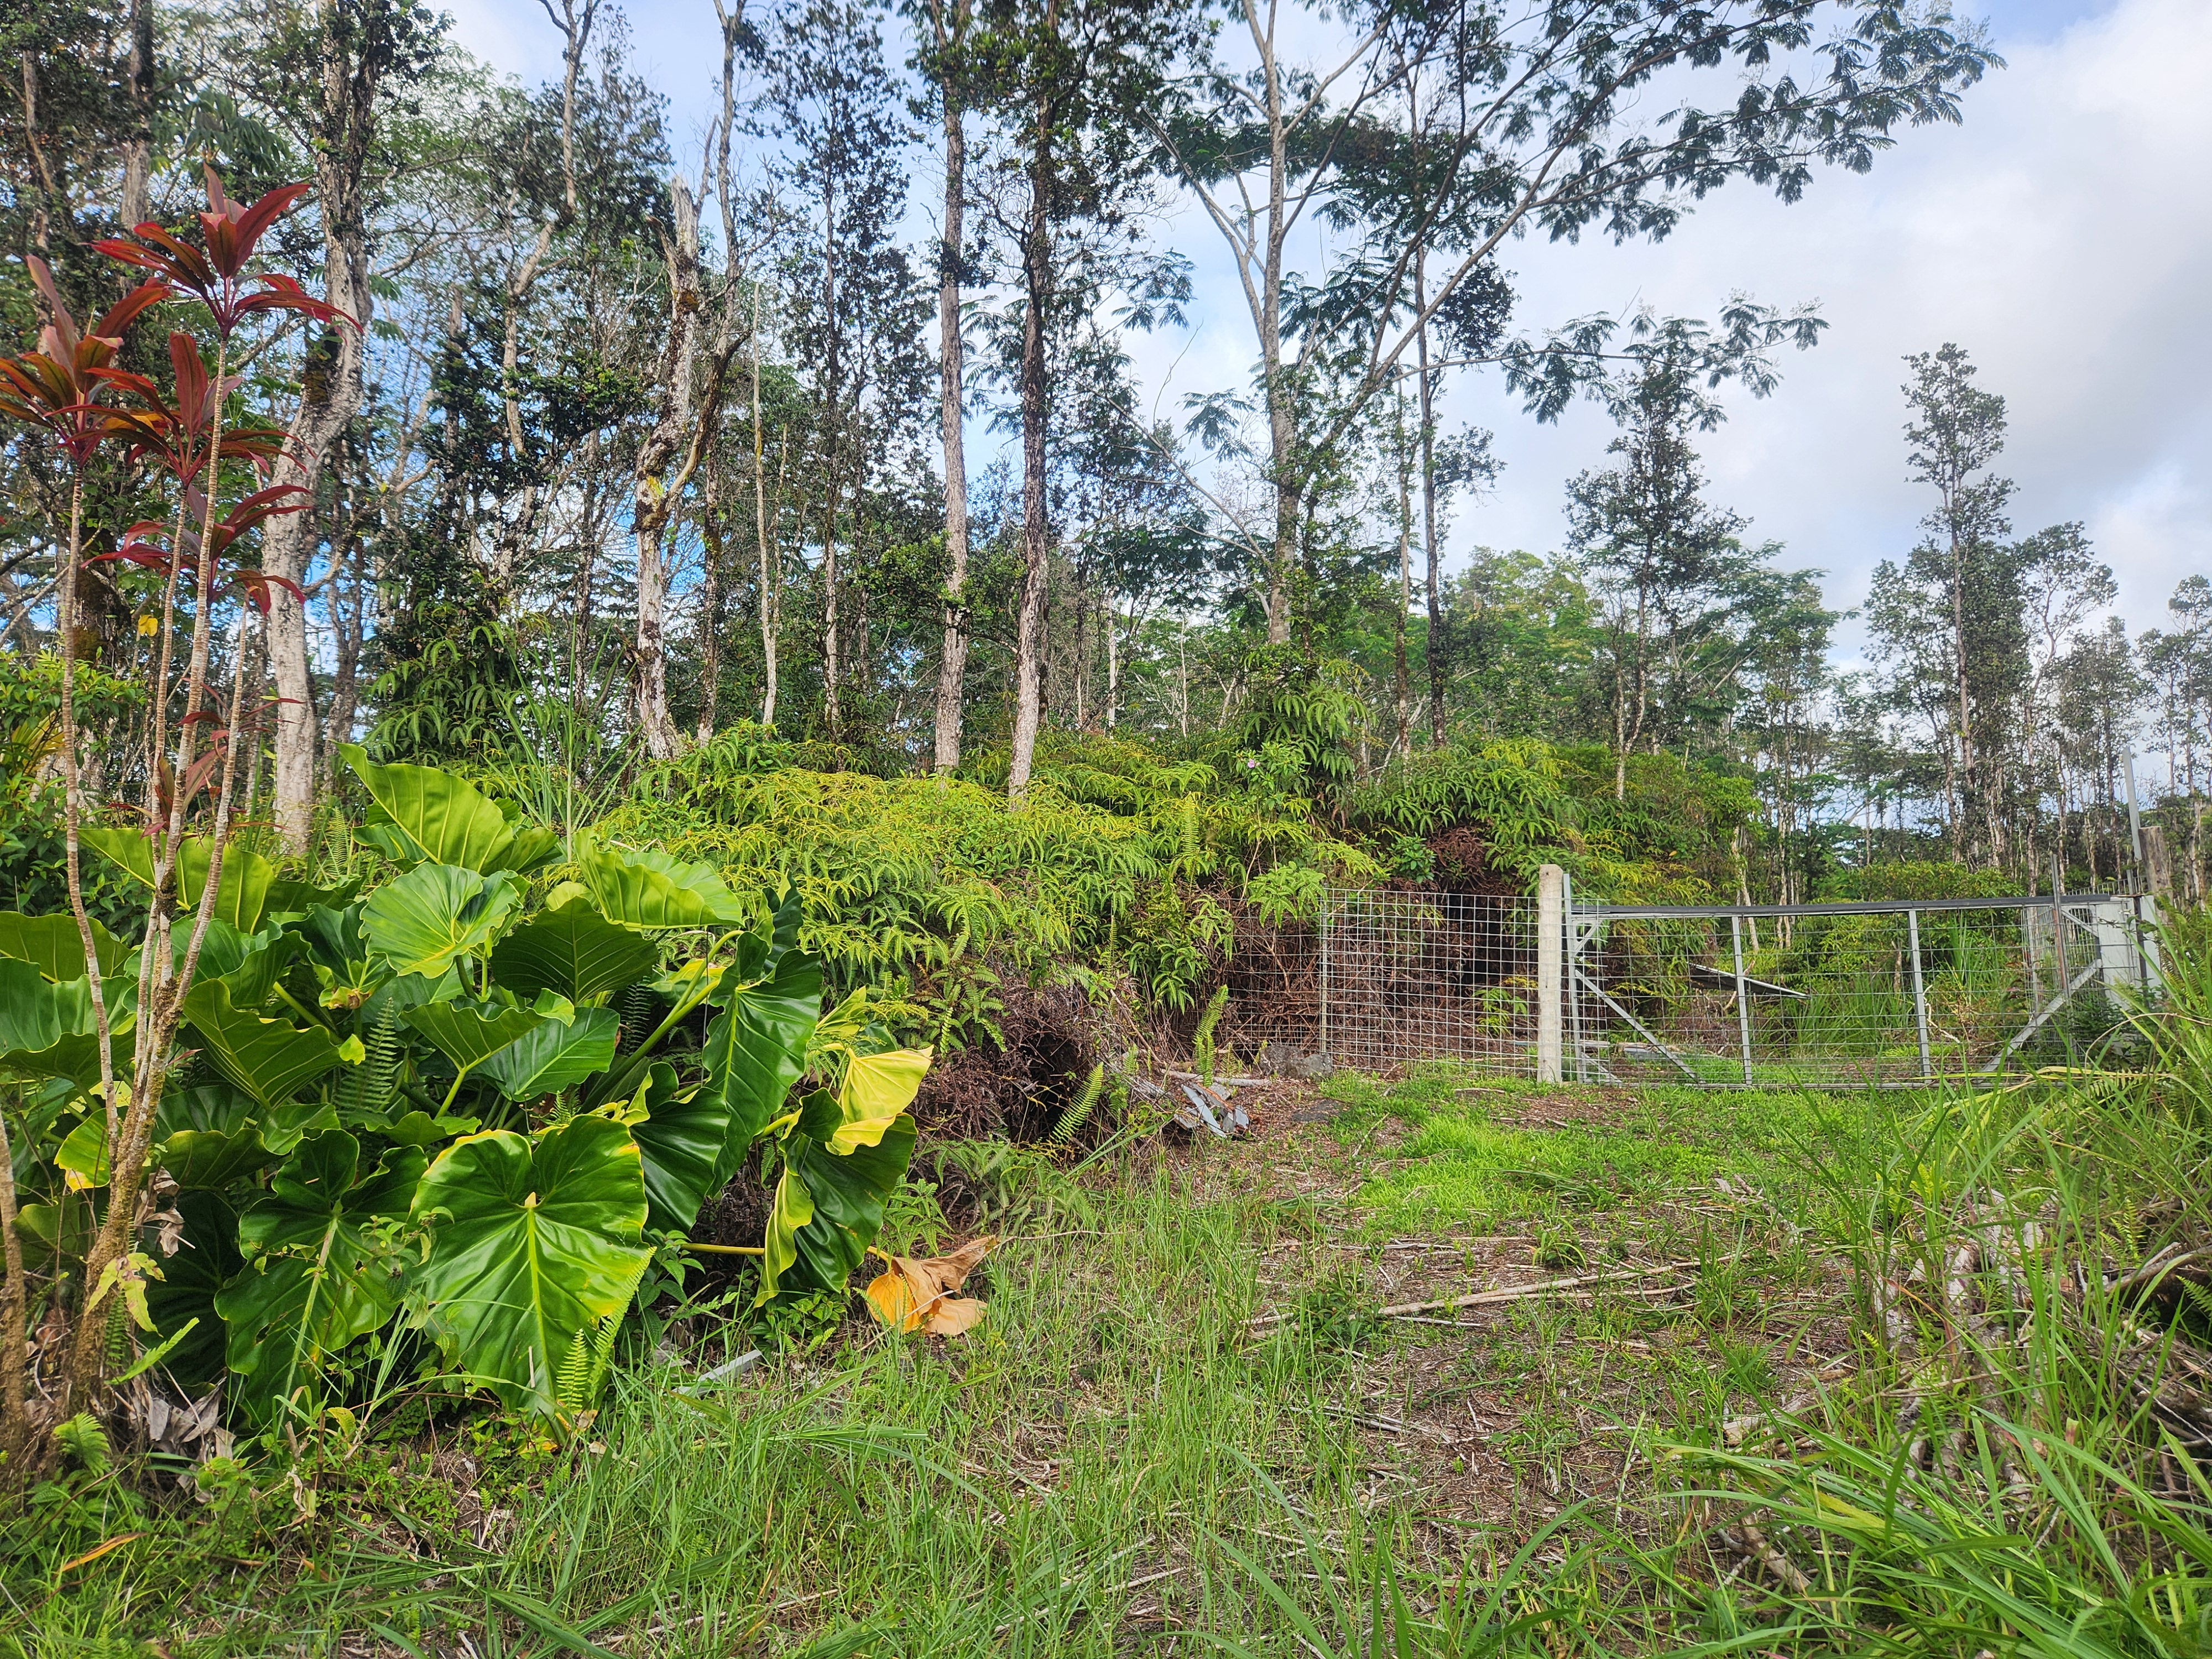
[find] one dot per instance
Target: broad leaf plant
(284, 1136)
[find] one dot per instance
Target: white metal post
(1328, 904)
(1550, 950)
(1919, 994)
(1743, 1002)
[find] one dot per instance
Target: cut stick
(1510, 1293)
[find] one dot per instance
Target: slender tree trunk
(138, 149)
(831, 665)
(1112, 667)
(1402, 743)
(710, 596)
(1282, 430)
(351, 625)
(1430, 552)
(1037, 529)
(333, 388)
(771, 562)
(952, 662)
(654, 498)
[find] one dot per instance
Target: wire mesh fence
(1824, 996)
(1386, 978)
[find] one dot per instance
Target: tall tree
(1545, 130)
(1661, 558)
(359, 46)
(853, 304)
(949, 22)
(1066, 72)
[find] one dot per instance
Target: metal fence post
(1551, 948)
(1919, 994)
(1327, 901)
(1570, 971)
(1743, 1002)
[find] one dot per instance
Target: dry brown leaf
(915, 1293)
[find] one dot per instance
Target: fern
(370, 1091)
(591, 1354)
(1079, 1111)
(1201, 1042)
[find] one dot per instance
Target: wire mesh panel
(1408, 976)
(1847, 996)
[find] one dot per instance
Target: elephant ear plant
(417, 1133)
(285, 1138)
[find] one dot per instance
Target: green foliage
(921, 886)
(420, 1109)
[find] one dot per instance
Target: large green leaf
(326, 1272)
(53, 946)
(553, 1056)
(206, 1257)
(530, 1244)
(645, 888)
(756, 1047)
(681, 1140)
(47, 1030)
(210, 1160)
(574, 950)
(827, 1209)
(436, 913)
(35, 1013)
(271, 1058)
(296, 898)
(469, 1033)
(240, 895)
(447, 820)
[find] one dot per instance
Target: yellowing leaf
(877, 1089)
(793, 1209)
(916, 1293)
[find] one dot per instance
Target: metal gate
(1892, 993)
(1850, 995)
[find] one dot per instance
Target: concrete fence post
(1550, 960)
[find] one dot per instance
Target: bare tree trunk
(952, 662)
(332, 389)
(1037, 529)
(830, 665)
(138, 149)
(1112, 667)
(1431, 552)
(653, 498)
(771, 562)
(710, 596)
(350, 626)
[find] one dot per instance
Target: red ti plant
(72, 391)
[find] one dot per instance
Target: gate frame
(2120, 925)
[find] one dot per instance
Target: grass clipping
(918, 1293)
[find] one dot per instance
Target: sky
(2062, 234)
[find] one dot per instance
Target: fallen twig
(1753, 1543)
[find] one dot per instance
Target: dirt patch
(1516, 1110)
(1017, 1088)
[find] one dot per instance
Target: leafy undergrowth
(1240, 1398)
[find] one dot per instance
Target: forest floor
(1225, 1393)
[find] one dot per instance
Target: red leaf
(120, 315)
(257, 218)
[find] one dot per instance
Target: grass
(1118, 1459)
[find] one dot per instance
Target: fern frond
(1079, 1112)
